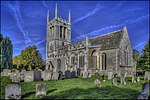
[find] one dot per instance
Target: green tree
(136, 55)
(6, 52)
(30, 58)
(144, 60)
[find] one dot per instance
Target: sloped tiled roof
(108, 41)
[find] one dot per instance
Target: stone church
(111, 52)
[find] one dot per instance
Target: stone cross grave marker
(13, 91)
(40, 89)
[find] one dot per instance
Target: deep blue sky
(25, 22)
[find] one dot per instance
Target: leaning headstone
(37, 75)
(73, 74)
(13, 91)
(110, 75)
(60, 75)
(28, 76)
(15, 77)
(78, 72)
(67, 74)
(145, 92)
(138, 79)
(97, 83)
(46, 75)
(40, 89)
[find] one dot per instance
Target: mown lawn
(78, 88)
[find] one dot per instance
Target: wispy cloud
(108, 28)
(90, 13)
(38, 43)
(139, 45)
(19, 20)
(45, 5)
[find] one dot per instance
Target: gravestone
(97, 83)
(15, 77)
(78, 72)
(67, 74)
(22, 74)
(37, 75)
(46, 75)
(138, 79)
(73, 74)
(90, 73)
(147, 76)
(145, 91)
(55, 76)
(60, 75)
(40, 89)
(28, 76)
(13, 91)
(17, 71)
(96, 74)
(115, 81)
(133, 77)
(122, 78)
(85, 74)
(110, 75)
(6, 72)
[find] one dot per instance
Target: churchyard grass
(78, 88)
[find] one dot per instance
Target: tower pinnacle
(48, 17)
(69, 18)
(56, 12)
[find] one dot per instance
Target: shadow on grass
(109, 92)
(51, 91)
(28, 94)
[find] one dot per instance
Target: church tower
(58, 33)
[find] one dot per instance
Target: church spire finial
(69, 18)
(56, 12)
(48, 17)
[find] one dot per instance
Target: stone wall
(111, 60)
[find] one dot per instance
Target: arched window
(94, 59)
(61, 32)
(72, 59)
(104, 61)
(81, 60)
(59, 64)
